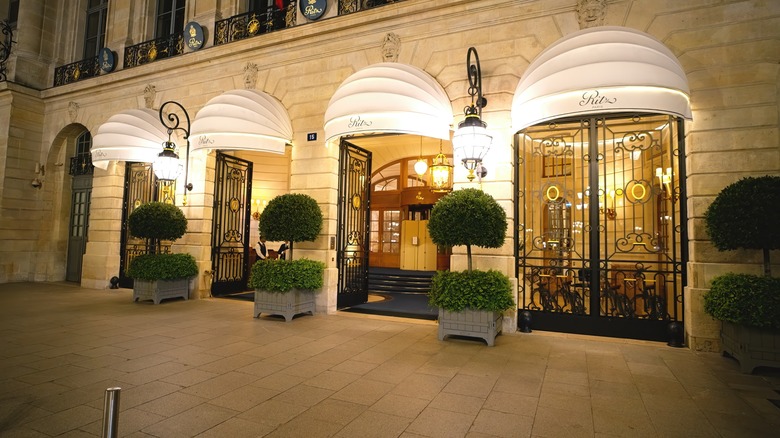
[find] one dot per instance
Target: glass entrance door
(601, 225)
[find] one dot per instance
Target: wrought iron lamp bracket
(172, 123)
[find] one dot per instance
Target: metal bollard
(111, 413)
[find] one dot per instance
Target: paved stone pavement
(207, 368)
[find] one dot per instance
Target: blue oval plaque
(313, 9)
(107, 60)
(193, 35)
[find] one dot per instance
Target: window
(95, 32)
(81, 161)
(261, 6)
(13, 13)
(556, 165)
(391, 231)
(258, 6)
(170, 17)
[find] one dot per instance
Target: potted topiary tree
(471, 303)
(157, 276)
(743, 216)
(287, 287)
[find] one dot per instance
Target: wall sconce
(581, 203)
(257, 207)
(665, 181)
(441, 173)
(472, 139)
(39, 170)
(167, 166)
(609, 209)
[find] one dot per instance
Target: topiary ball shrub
(153, 267)
(284, 275)
(478, 290)
(468, 217)
(744, 215)
(293, 217)
(157, 220)
(745, 299)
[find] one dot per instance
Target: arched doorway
(600, 202)
(363, 115)
(81, 170)
(601, 225)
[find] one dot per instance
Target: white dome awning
(242, 120)
(389, 98)
(605, 69)
(132, 135)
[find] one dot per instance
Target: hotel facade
(614, 125)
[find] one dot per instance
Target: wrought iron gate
(141, 186)
(353, 227)
(601, 225)
(230, 233)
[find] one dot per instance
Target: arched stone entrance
(600, 202)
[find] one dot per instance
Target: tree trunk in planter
(473, 323)
(287, 304)
(158, 290)
(751, 346)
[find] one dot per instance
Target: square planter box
(472, 323)
(751, 346)
(159, 290)
(287, 304)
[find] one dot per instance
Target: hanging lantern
(167, 166)
(472, 140)
(441, 173)
(421, 166)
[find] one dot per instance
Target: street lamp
(167, 166)
(471, 138)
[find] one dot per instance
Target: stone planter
(287, 304)
(751, 346)
(158, 290)
(473, 323)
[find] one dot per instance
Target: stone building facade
(728, 50)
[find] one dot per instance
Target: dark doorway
(81, 170)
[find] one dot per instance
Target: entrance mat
(243, 296)
(403, 305)
(397, 304)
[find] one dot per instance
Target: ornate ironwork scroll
(81, 165)
(5, 47)
(152, 50)
(76, 71)
(351, 6)
(230, 232)
(141, 187)
(250, 24)
(353, 232)
(601, 222)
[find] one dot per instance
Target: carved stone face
(390, 47)
(591, 13)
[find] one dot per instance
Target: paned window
(170, 17)
(95, 31)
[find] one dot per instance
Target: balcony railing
(81, 165)
(352, 6)
(249, 24)
(152, 50)
(76, 71)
